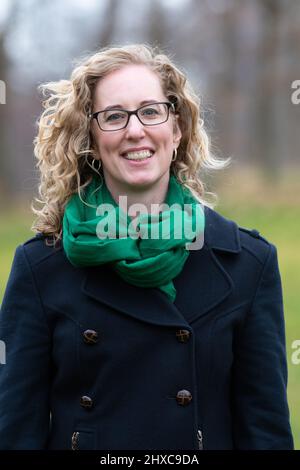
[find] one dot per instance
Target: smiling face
(129, 88)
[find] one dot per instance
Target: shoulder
(45, 266)
(40, 248)
(44, 262)
(224, 234)
(252, 237)
(34, 262)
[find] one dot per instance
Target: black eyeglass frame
(130, 113)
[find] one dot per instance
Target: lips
(144, 154)
(138, 154)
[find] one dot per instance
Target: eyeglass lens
(151, 114)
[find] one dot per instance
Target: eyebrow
(119, 106)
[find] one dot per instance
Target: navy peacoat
(95, 363)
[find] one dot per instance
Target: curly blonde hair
(64, 145)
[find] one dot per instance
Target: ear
(176, 131)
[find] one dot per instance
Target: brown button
(183, 336)
(183, 397)
(86, 402)
(90, 336)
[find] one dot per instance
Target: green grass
(14, 229)
(279, 223)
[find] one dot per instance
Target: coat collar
(203, 274)
(220, 233)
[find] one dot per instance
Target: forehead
(128, 86)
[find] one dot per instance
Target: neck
(154, 194)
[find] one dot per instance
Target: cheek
(108, 143)
(165, 137)
(169, 144)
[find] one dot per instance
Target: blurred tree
(268, 86)
(109, 23)
(6, 150)
(156, 24)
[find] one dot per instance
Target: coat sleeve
(261, 414)
(24, 377)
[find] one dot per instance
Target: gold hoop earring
(174, 155)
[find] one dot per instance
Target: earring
(174, 155)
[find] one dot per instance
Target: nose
(135, 129)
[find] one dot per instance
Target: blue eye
(149, 111)
(115, 117)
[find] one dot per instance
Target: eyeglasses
(149, 115)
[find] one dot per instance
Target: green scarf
(147, 252)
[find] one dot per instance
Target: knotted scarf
(148, 250)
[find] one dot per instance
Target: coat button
(183, 397)
(86, 402)
(182, 336)
(90, 336)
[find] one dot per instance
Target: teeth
(139, 155)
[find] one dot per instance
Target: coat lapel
(204, 282)
(202, 285)
(145, 304)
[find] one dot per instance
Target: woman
(131, 341)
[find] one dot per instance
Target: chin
(142, 181)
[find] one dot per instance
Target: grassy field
(275, 212)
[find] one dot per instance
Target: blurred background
(242, 58)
